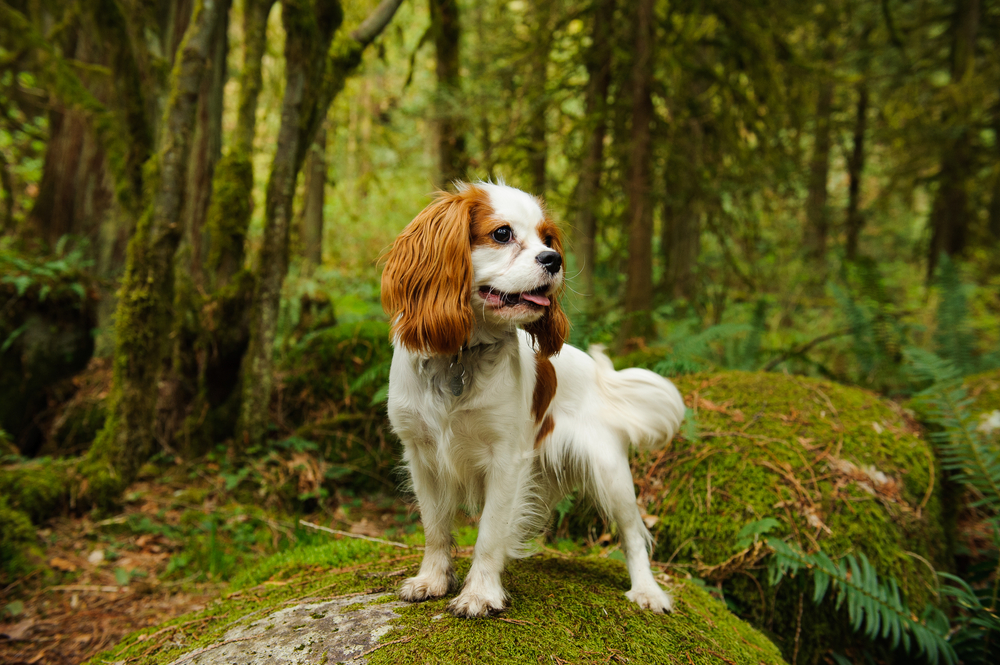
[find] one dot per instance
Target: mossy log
(337, 603)
(841, 469)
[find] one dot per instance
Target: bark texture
(639, 273)
(311, 230)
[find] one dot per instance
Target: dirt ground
(101, 581)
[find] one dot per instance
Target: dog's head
(485, 255)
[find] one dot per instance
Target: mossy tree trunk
(639, 212)
(316, 68)
(146, 295)
(232, 183)
(596, 103)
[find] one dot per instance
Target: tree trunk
(7, 190)
(817, 213)
(855, 169)
(312, 82)
(538, 150)
(680, 238)
(446, 27)
(311, 231)
(146, 295)
(950, 214)
(638, 322)
(232, 184)
(994, 213)
(596, 105)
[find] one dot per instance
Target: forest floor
(170, 551)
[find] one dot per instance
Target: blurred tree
(639, 214)
(453, 161)
(311, 228)
(950, 216)
(598, 63)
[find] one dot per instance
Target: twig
(518, 622)
(401, 640)
(799, 350)
(348, 534)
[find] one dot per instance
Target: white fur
(478, 450)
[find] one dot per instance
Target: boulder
(337, 603)
(839, 468)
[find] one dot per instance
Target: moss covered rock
(17, 540)
(337, 602)
(841, 469)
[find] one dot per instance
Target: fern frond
(963, 449)
(876, 605)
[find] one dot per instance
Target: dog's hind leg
(611, 486)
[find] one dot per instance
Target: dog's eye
(502, 235)
(548, 241)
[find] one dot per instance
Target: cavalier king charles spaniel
(495, 413)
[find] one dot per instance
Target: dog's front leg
(437, 512)
(483, 594)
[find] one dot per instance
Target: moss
(17, 539)
(808, 453)
(39, 488)
(562, 610)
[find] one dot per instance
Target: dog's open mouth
(535, 298)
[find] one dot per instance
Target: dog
(494, 411)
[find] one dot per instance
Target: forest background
(195, 195)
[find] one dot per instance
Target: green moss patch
(841, 469)
(562, 610)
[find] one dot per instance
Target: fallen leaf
(62, 564)
(17, 632)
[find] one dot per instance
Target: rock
(840, 469)
(337, 603)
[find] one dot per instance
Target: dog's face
(516, 258)
(486, 255)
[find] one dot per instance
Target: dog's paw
(472, 604)
(655, 599)
(425, 587)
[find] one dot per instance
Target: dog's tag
(456, 378)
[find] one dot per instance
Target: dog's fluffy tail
(644, 406)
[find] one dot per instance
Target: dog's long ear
(427, 281)
(550, 331)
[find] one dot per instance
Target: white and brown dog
(507, 420)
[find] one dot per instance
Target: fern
(953, 339)
(689, 352)
(962, 448)
(875, 605)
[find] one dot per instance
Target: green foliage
(41, 278)
(871, 602)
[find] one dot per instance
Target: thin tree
(638, 322)
(316, 68)
(453, 161)
(598, 60)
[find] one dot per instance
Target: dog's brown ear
(427, 281)
(550, 331)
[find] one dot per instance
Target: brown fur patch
(427, 281)
(550, 331)
(545, 387)
(548, 424)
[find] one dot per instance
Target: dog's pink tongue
(538, 300)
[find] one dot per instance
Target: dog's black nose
(551, 261)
